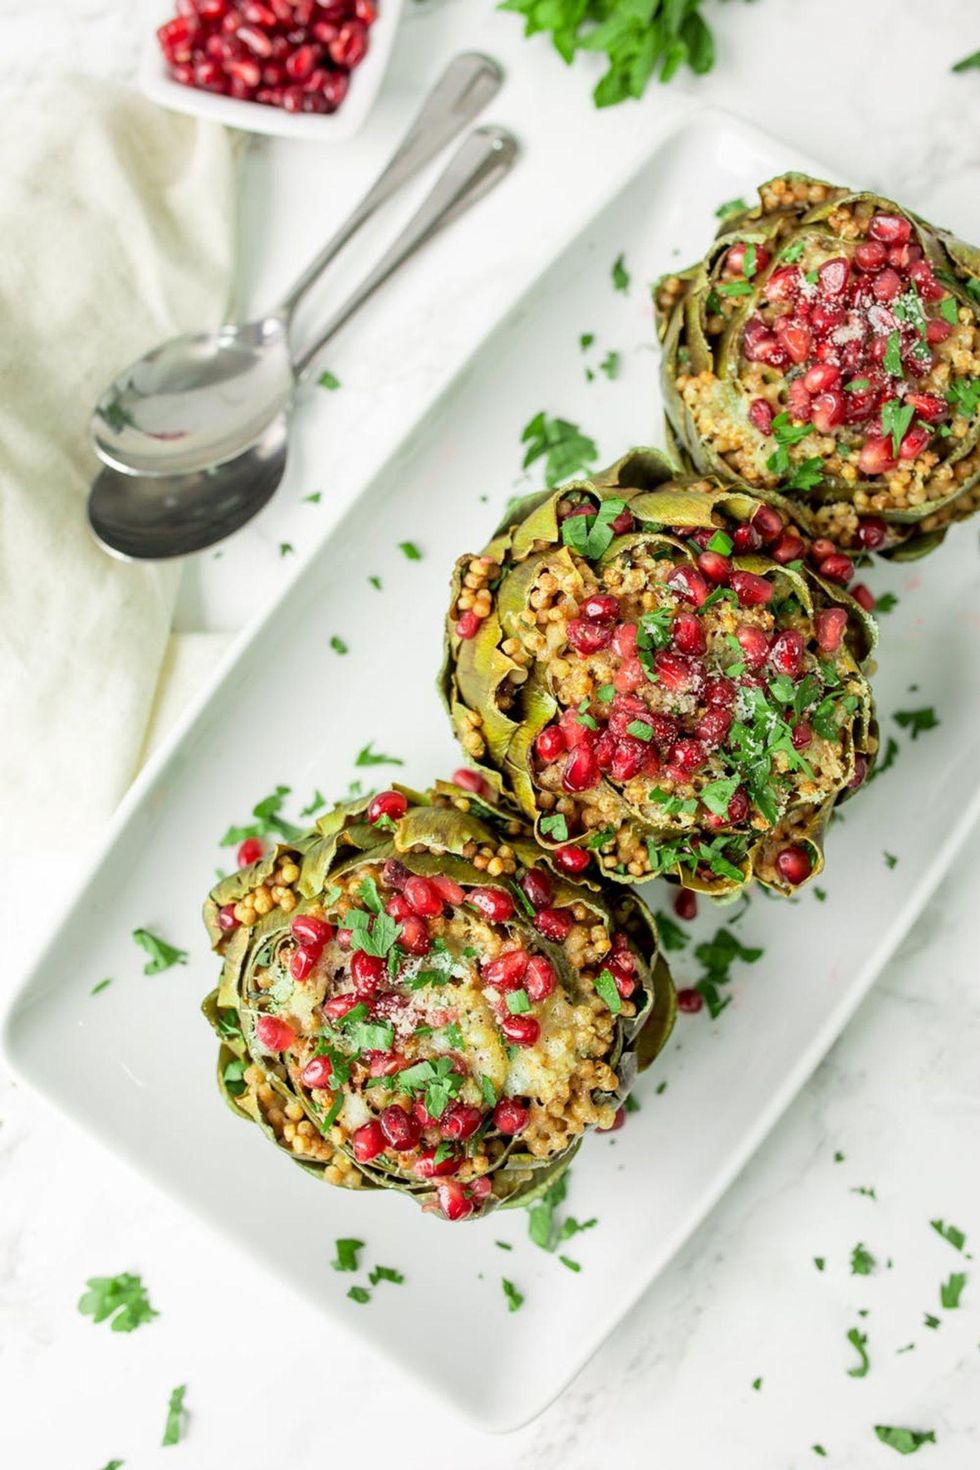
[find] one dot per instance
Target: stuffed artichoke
(828, 347)
(411, 998)
(648, 666)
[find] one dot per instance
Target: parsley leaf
(163, 956)
(950, 1291)
(385, 1273)
(672, 936)
(591, 535)
(338, 645)
(717, 956)
(369, 757)
(554, 825)
(123, 1298)
(895, 419)
(859, 1342)
(514, 1297)
(359, 1294)
(955, 1237)
(410, 550)
(347, 1250)
(605, 988)
(863, 1262)
(175, 1416)
(566, 450)
(905, 1441)
(730, 207)
(329, 381)
(620, 275)
(916, 720)
(267, 820)
(973, 60)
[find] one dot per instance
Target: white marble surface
(868, 89)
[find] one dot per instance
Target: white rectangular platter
(134, 1064)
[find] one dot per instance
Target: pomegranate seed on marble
(751, 591)
(425, 1166)
(537, 887)
(460, 1121)
(871, 533)
(686, 904)
(391, 804)
(600, 608)
(571, 859)
(302, 963)
(367, 972)
(794, 864)
(716, 568)
(539, 982)
(891, 229)
(581, 771)
(554, 924)
(507, 971)
(310, 931)
(453, 1201)
(689, 1001)
(337, 1006)
(493, 903)
(863, 596)
(226, 918)
(510, 1117)
(837, 568)
(786, 653)
(767, 522)
(688, 634)
(249, 852)
(754, 645)
(688, 583)
(400, 1129)
(368, 1141)
(273, 1034)
(761, 415)
(522, 1030)
(549, 744)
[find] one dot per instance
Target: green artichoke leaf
(637, 471)
(440, 829)
(481, 668)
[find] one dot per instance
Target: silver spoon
(203, 398)
(150, 517)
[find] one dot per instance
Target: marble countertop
(867, 88)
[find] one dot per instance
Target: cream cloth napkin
(117, 229)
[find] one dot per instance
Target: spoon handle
(481, 161)
(461, 93)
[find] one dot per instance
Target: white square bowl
(256, 117)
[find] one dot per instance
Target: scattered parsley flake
(123, 1298)
(863, 1262)
(905, 1441)
(886, 602)
(267, 819)
(757, 1384)
(316, 803)
(730, 207)
(950, 1291)
(672, 936)
(973, 60)
(859, 1342)
(620, 275)
(916, 720)
(572, 1265)
(514, 1298)
(369, 757)
(585, 342)
(385, 1273)
(163, 956)
(329, 381)
(313, 499)
(955, 1237)
(347, 1250)
(338, 645)
(566, 450)
(891, 860)
(101, 986)
(867, 1191)
(286, 548)
(610, 365)
(554, 825)
(928, 1320)
(176, 1415)
(375, 583)
(359, 1294)
(820, 1262)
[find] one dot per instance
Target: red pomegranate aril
(713, 726)
(468, 780)
(738, 807)
(837, 568)
(829, 624)
(937, 330)
(300, 63)
(368, 1141)
(860, 772)
(537, 887)
(310, 931)
(863, 596)
(317, 1073)
(460, 1121)
(629, 758)
(337, 1006)
(414, 936)
(716, 568)
(688, 634)
(876, 456)
(745, 539)
(820, 377)
(689, 1001)
(794, 864)
(767, 522)
(786, 653)
(510, 1117)
(891, 229)
(720, 692)
(257, 41)
(453, 1201)
(522, 1030)
(624, 640)
(581, 771)
(622, 523)
(820, 548)
(833, 275)
(226, 918)
(349, 47)
(539, 982)
(802, 735)
(507, 971)
(493, 903)
(754, 645)
(554, 924)
(422, 897)
(678, 673)
(394, 874)
(783, 284)
(887, 284)
(303, 962)
(797, 339)
(391, 804)
(398, 908)
(209, 75)
(688, 756)
(256, 13)
(688, 583)
(468, 624)
(914, 441)
(587, 637)
(870, 255)
(367, 971)
(871, 533)
(751, 591)
(550, 744)
(827, 411)
(400, 1129)
(449, 891)
(686, 904)
(383, 1063)
(425, 1166)
(761, 415)
(928, 406)
(798, 402)
(249, 852)
(929, 289)
(571, 859)
(788, 548)
(273, 1034)
(826, 318)
(600, 608)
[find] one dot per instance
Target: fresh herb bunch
(640, 38)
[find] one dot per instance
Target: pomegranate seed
(783, 284)
(688, 583)
(310, 931)
(256, 40)
(820, 377)
(600, 608)
(794, 864)
(876, 456)
(871, 533)
(738, 807)
(928, 406)
(622, 523)
(300, 63)
(423, 897)
(891, 229)
(827, 411)
(786, 653)
(624, 640)
(459, 1121)
(449, 891)
(226, 918)
(209, 75)
(383, 1063)
(337, 1007)
(688, 756)
(249, 852)
(788, 548)
(713, 726)
(752, 591)
(581, 771)
(510, 1117)
(507, 971)
(761, 415)
(391, 804)
(273, 1034)
(349, 47)
(827, 318)
(860, 771)
(797, 339)
(833, 275)
(829, 624)
(689, 1001)
(619, 1118)
(537, 887)
(570, 859)
(468, 624)
(937, 330)
(746, 538)
(549, 744)
(863, 596)
(414, 935)
(716, 568)
(820, 548)
(720, 692)
(767, 522)
(317, 1073)
(468, 780)
(367, 971)
(677, 673)
(887, 284)
(837, 568)
(586, 637)
(302, 963)
(632, 675)
(452, 1200)
(799, 402)
(914, 442)
(256, 13)
(398, 908)
(870, 255)
(802, 735)
(394, 874)
(754, 645)
(368, 1141)
(688, 634)
(554, 924)
(493, 903)
(425, 1166)
(686, 904)
(400, 1129)
(245, 71)
(521, 1030)
(539, 982)
(920, 271)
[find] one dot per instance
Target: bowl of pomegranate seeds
(414, 996)
(296, 68)
(666, 674)
(828, 346)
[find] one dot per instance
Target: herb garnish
(905, 1441)
(369, 757)
(329, 381)
(916, 720)
(859, 1342)
(717, 957)
(591, 535)
(514, 1297)
(267, 820)
(565, 448)
(347, 1252)
(123, 1298)
(950, 1233)
(163, 956)
(173, 1427)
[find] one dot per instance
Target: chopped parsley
(286, 548)
(916, 720)
(515, 1300)
(620, 275)
(162, 956)
(554, 825)
(950, 1291)
(359, 1294)
(973, 60)
(176, 1415)
(730, 207)
(369, 757)
(896, 417)
(592, 534)
(545, 1230)
(859, 1342)
(886, 602)
(385, 1273)
(717, 956)
(672, 936)
(347, 1254)
(409, 550)
(610, 365)
(100, 986)
(329, 381)
(605, 988)
(565, 449)
(316, 803)
(905, 1441)
(863, 1262)
(950, 1233)
(268, 819)
(122, 1298)
(338, 645)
